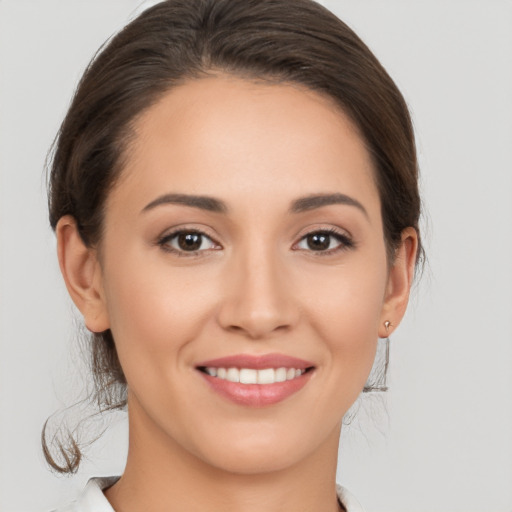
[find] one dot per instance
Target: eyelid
(163, 240)
(345, 240)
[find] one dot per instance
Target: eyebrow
(304, 204)
(202, 202)
(212, 204)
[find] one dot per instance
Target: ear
(400, 280)
(82, 274)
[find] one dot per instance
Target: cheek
(153, 309)
(344, 308)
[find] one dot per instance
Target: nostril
(258, 330)
(234, 328)
(257, 314)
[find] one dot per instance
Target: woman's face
(245, 232)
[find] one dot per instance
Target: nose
(258, 300)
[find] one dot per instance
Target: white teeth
(253, 376)
(266, 376)
(248, 376)
(280, 374)
(233, 375)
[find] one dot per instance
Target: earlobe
(82, 274)
(400, 280)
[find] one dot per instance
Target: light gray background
(445, 442)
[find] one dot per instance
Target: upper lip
(257, 362)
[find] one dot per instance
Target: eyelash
(164, 241)
(344, 242)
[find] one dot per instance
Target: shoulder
(348, 499)
(92, 498)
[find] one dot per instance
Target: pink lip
(257, 362)
(257, 395)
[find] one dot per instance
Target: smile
(256, 380)
(253, 376)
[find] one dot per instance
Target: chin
(266, 451)
(252, 461)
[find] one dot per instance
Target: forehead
(228, 136)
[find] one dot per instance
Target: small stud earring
(387, 325)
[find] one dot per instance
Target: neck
(161, 475)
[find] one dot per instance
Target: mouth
(256, 381)
(262, 376)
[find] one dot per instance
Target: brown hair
(295, 41)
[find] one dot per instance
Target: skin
(255, 287)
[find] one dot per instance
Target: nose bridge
(257, 301)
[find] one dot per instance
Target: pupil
(189, 241)
(319, 242)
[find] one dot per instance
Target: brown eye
(325, 241)
(319, 241)
(187, 241)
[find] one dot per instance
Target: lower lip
(257, 395)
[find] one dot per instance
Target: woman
(234, 194)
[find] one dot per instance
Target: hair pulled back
(296, 41)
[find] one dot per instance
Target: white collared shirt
(92, 498)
